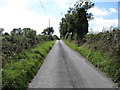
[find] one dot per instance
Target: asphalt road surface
(65, 68)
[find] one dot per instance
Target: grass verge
(19, 74)
(101, 61)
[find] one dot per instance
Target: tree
(75, 22)
(6, 34)
(30, 33)
(48, 31)
(56, 37)
(18, 41)
(63, 27)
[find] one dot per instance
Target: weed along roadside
(101, 61)
(20, 74)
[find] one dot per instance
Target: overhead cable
(43, 9)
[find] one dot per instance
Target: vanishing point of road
(65, 68)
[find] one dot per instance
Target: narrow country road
(65, 68)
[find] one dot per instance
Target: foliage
(48, 31)
(19, 61)
(101, 60)
(105, 42)
(19, 74)
(75, 22)
(18, 41)
(56, 37)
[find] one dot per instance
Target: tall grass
(109, 65)
(19, 74)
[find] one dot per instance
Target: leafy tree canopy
(74, 24)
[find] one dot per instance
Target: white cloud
(98, 23)
(63, 4)
(15, 14)
(55, 22)
(112, 10)
(98, 12)
(104, 0)
(101, 11)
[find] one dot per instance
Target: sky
(30, 14)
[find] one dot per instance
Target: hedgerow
(19, 74)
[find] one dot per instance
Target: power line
(43, 8)
(45, 11)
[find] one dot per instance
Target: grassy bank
(20, 74)
(101, 60)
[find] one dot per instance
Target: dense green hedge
(19, 74)
(100, 60)
(108, 41)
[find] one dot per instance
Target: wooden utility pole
(49, 23)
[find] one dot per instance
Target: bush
(19, 74)
(106, 42)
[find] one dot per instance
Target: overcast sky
(29, 14)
